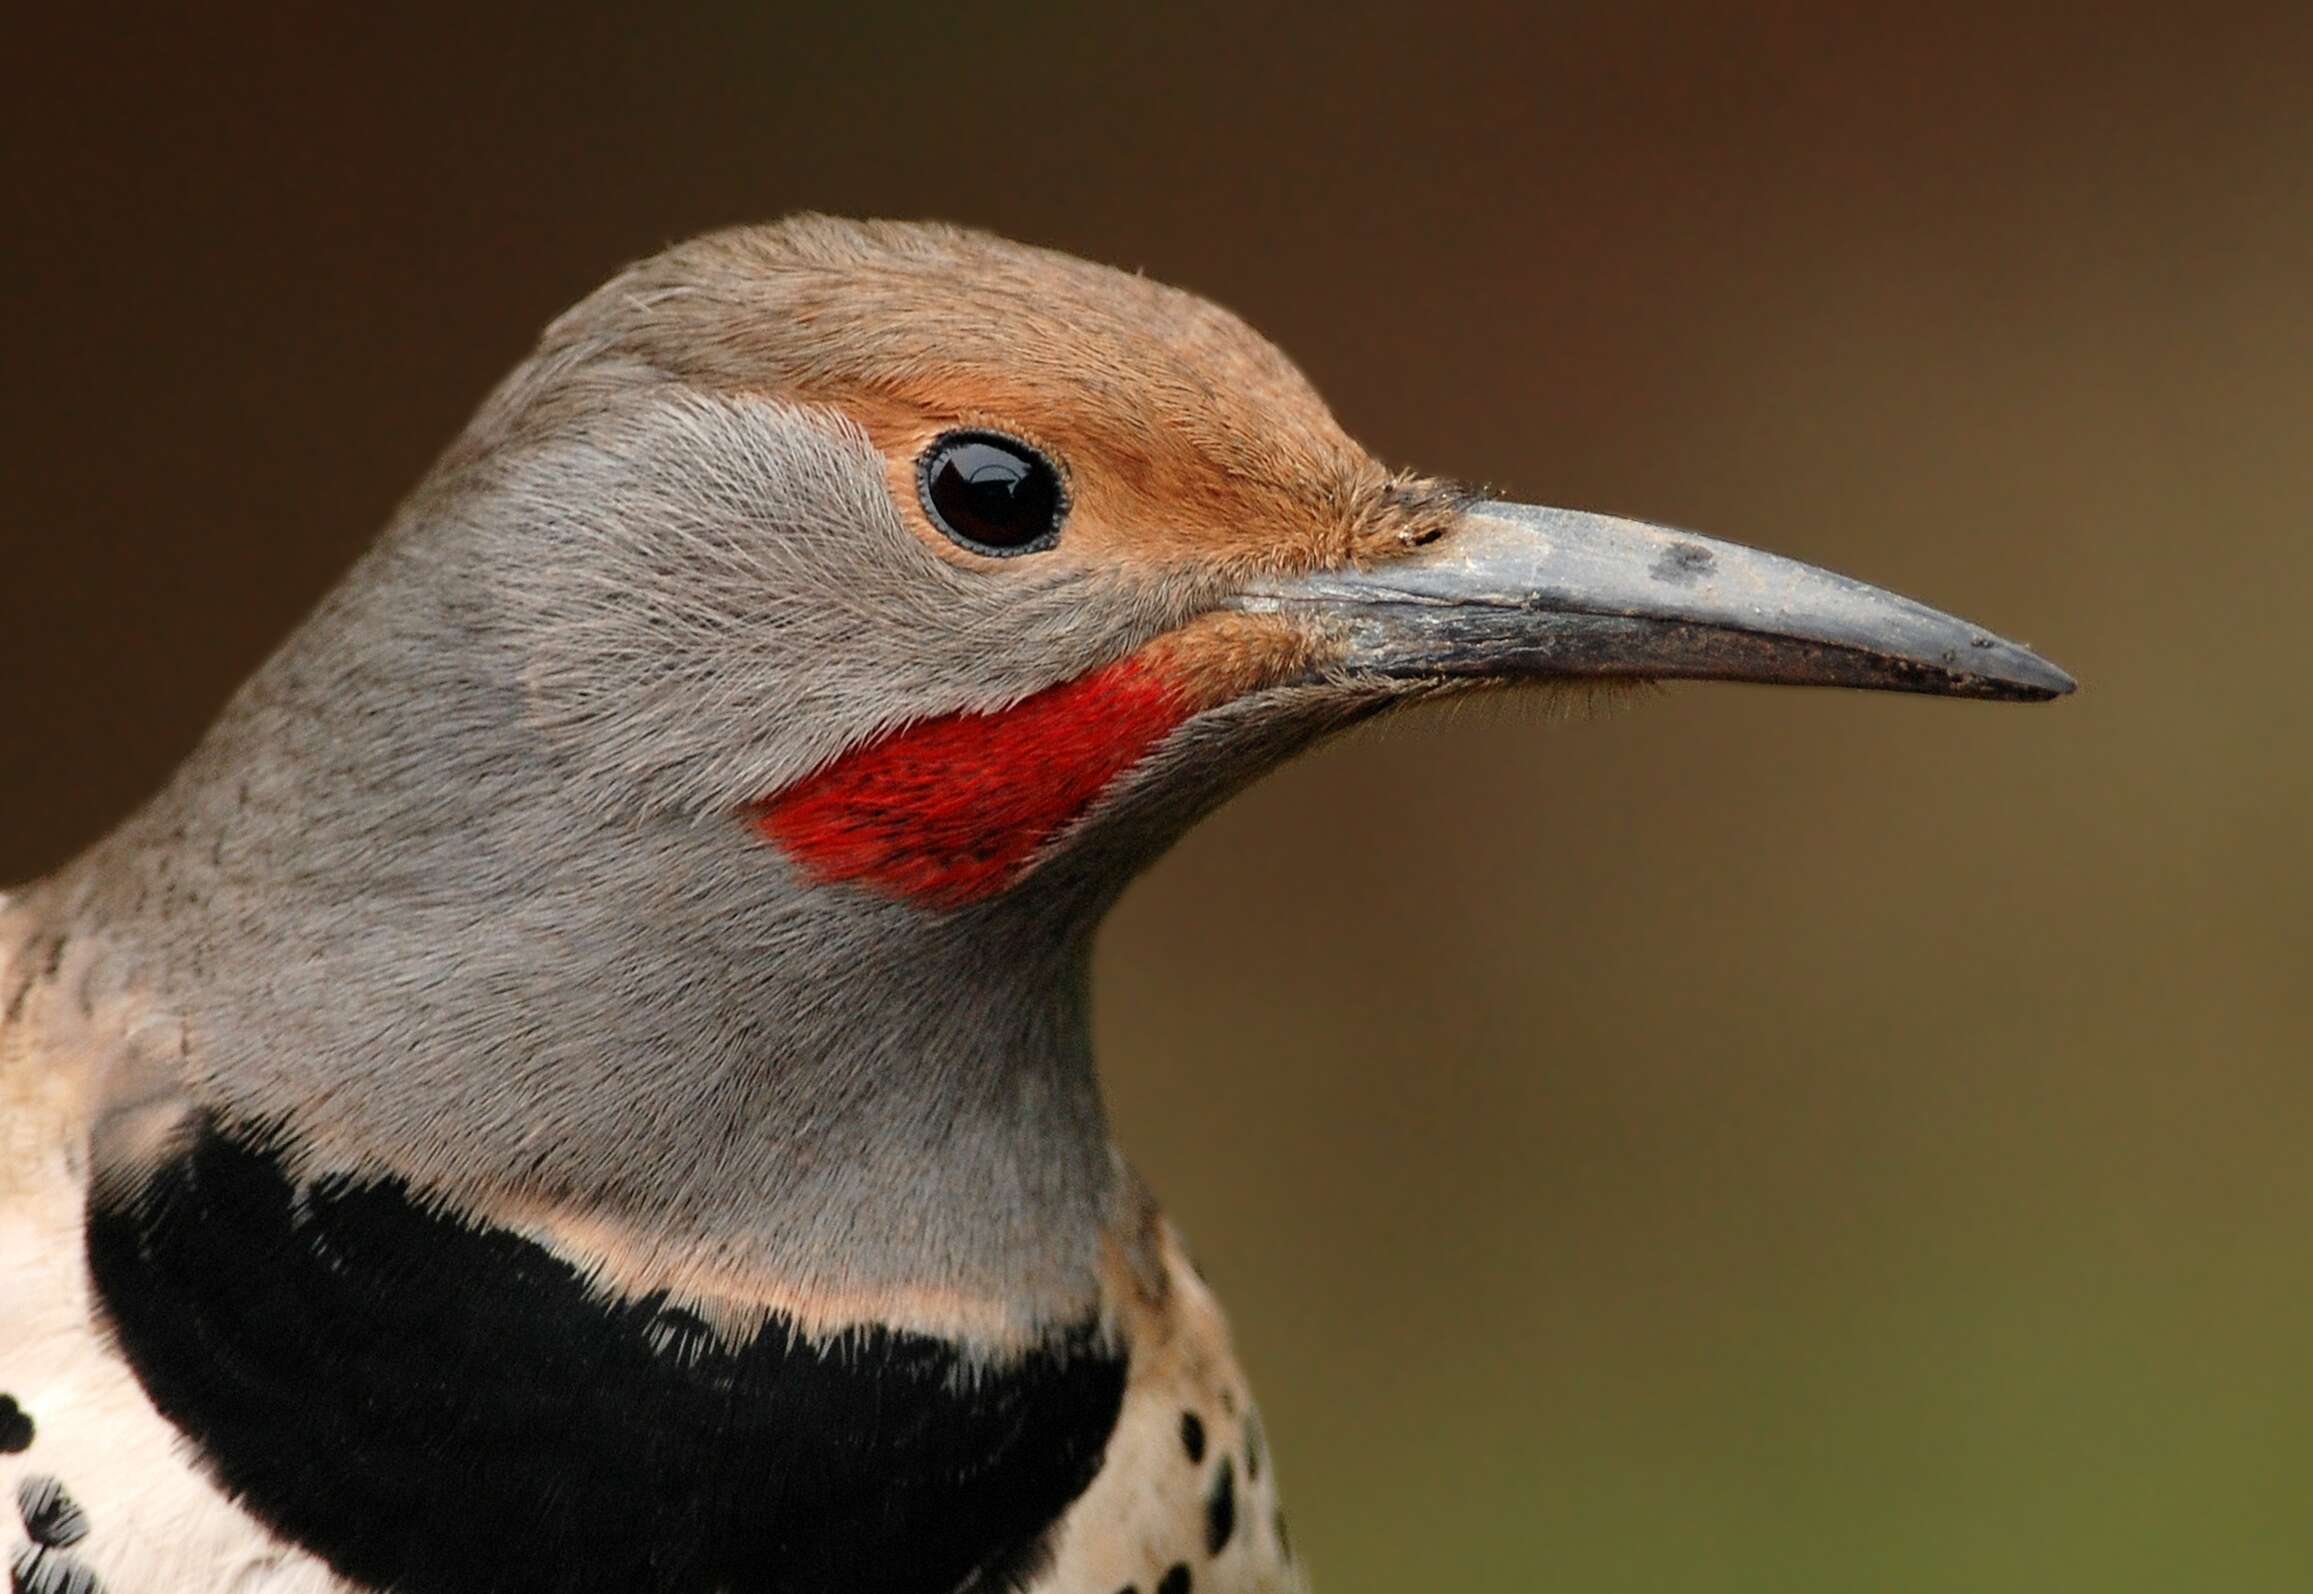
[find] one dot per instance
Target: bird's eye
(993, 494)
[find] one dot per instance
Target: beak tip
(2023, 676)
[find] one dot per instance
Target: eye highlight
(991, 493)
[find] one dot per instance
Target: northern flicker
(582, 1081)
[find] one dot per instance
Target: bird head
(693, 813)
(910, 546)
(919, 550)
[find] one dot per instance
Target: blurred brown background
(1757, 1141)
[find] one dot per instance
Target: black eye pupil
(992, 494)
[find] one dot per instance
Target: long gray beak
(1514, 591)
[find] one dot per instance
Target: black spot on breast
(1193, 1435)
(1175, 1580)
(1253, 1447)
(34, 1570)
(15, 1427)
(1221, 1509)
(437, 1407)
(1284, 1539)
(52, 1516)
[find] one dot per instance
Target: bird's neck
(642, 1041)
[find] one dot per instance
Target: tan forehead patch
(1184, 436)
(1135, 494)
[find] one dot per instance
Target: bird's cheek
(952, 809)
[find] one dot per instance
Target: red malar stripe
(948, 809)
